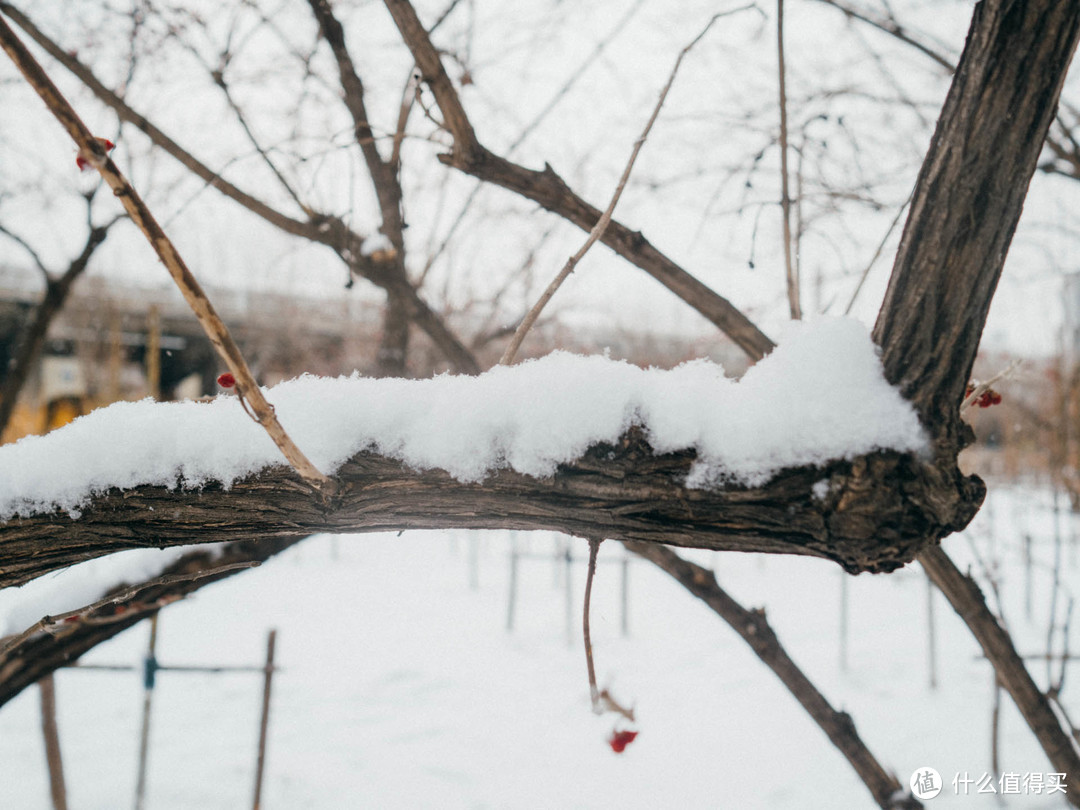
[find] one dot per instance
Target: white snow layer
(819, 396)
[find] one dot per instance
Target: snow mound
(818, 397)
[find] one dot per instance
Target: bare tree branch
(34, 255)
(32, 341)
(601, 225)
(320, 228)
(756, 632)
(384, 178)
(864, 522)
(968, 200)
(58, 641)
(548, 190)
(95, 155)
(966, 598)
(893, 28)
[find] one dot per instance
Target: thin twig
(785, 193)
(892, 27)
(877, 253)
(605, 218)
(95, 155)
(594, 691)
(575, 76)
(983, 387)
(219, 79)
(14, 237)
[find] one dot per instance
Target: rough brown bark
(879, 511)
(756, 632)
(968, 200)
(964, 211)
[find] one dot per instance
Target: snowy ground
(401, 687)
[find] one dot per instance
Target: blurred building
(114, 341)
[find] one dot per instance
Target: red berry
(226, 380)
(620, 739)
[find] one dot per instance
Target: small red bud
(84, 164)
(226, 380)
(620, 739)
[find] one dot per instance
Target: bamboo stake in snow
(264, 721)
(95, 155)
(52, 743)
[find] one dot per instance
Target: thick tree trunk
(966, 205)
(968, 200)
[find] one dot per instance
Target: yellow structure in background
(28, 420)
(63, 393)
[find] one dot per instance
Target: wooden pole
(474, 561)
(568, 585)
(149, 673)
(52, 743)
(844, 621)
(153, 351)
(511, 598)
(264, 723)
(931, 633)
(115, 358)
(625, 594)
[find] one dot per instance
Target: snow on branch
(811, 452)
(819, 397)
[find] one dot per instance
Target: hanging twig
(602, 700)
(754, 628)
(594, 692)
(983, 387)
(605, 218)
(95, 155)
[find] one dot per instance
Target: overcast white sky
(699, 192)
